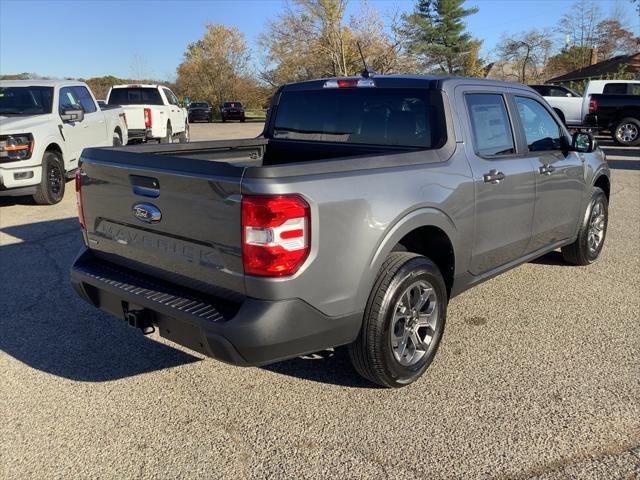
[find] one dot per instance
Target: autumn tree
(437, 37)
(612, 39)
(312, 39)
(215, 67)
(527, 52)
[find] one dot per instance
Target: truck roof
(411, 81)
(137, 85)
(39, 83)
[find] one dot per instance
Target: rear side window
(372, 116)
(135, 96)
(541, 130)
(634, 89)
(490, 124)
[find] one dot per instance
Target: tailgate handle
(145, 186)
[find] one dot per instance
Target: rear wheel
(403, 322)
(627, 132)
(587, 247)
(169, 136)
(184, 136)
(51, 187)
(117, 141)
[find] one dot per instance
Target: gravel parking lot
(538, 376)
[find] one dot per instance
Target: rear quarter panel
(359, 216)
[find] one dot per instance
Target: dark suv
(200, 111)
(232, 111)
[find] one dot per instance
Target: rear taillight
(276, 234)
(148, 121)
(79, 199)
(349, 83)
(593, 105)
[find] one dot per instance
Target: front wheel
(587, 247)
(403, 322)
(51, 188)
(627, 132)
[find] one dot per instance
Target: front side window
(84, 97)
(68, 100)
(490, 124)
(170, 96)
(634, 89)
(559, 92)
(540, 129)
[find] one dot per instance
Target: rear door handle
(547, 169)
(494, 176)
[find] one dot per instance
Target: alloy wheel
(414, 322)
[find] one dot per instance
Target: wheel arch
(426, 231)
(118, 131)
(602, 181)
(560, 114)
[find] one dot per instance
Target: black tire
(117, 140)
(169, 136)
(51, 188)
(184, 135)
(242, 119)
(561, 115)
(582, 251)
(372, 354)
(627, 132)
(224, 120)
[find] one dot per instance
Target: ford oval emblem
(146, 212)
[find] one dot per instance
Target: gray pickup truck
(362, 209)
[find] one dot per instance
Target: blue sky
(86, 38)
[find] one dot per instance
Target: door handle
(494, 176)
(547, 169)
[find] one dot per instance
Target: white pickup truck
(570, 106)
(153, 113)
(44, 126)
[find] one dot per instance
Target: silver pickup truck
(364, 206)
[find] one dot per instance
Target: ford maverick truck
(365, 205)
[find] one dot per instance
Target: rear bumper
(140, 134)
(254, 332)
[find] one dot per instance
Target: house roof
(597, 70)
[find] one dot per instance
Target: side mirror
(583, 142)
(72, 115)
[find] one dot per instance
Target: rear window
(232, 105)
(403, 117)
(199, 105)
(135, 96)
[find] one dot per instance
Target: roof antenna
(365, 73)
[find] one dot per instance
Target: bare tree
(580, 22)
(139, 68)
(527, 52)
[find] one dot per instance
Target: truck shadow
(328, 366)
(46, 326)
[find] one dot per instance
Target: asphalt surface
(538, 376)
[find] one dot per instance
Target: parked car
(571, 107)
(153, 113)
(618, 112)
(44, 125)
(362, 209)
(232, 111)
(200, 111)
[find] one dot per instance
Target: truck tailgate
(178, 219)
(135, 116)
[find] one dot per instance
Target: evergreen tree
(436, 36)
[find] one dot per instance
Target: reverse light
(16, 147)
(593, 105)
(148, 121)
(275, 234)
(79, 199)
